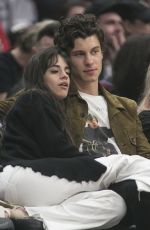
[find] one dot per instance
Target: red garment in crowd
(4, 40)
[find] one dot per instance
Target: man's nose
(119, 27)
(88, 59)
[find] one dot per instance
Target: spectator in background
(4, 40)
(106, 12)
(48, 32)
(73, 7)
(130, 66)
(119, 20)
(50, 9)
(147, 2)
(45, 37)
(136, 20)
(20, 13)
(34, 39)
(15, 35)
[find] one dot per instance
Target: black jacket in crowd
(145, 119)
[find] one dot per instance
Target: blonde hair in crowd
(145, 99)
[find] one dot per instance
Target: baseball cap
(138, 10)
(127, 9)
(99, 7)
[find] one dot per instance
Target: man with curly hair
(82, 38)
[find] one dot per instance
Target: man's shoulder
(125, 101)
(121, 103)
(117, 99)
(128, 104)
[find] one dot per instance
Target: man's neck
(88, 88)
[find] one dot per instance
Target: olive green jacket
(123, 118)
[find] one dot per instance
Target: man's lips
(89, 70)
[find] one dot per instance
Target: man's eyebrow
(74, 51)
(78, 50)
(96, 47)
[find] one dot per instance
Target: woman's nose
(63, 74)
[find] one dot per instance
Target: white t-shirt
(98, 137)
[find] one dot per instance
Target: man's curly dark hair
(78, 26)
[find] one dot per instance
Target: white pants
(85, 210)
(103, 209)
(67, 211)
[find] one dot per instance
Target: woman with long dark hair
(40, 165)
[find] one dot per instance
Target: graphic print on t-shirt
(98, 139)
(95, 139)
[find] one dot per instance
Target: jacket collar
(114, 104)
(110, 98)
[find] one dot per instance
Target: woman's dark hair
(37, 66)
(33, 80)
(79, 26)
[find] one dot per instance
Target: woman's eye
(54, 71)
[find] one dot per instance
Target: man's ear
(34, 49)
(127, 26)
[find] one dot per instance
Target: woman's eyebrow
(55, 65)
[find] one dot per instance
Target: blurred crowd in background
(26, 26)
